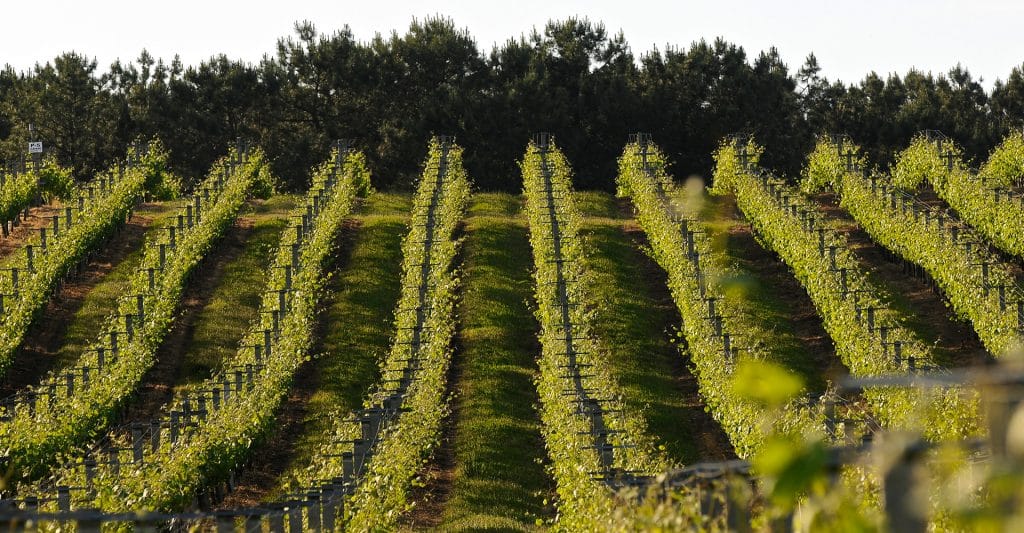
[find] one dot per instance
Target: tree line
(573, 78)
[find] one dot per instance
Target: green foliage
(757, 401)
(766, 383)
(826, 164)
(356, 166)
(816, 251)
(111, 200)
(18, 192)
(584, 503)
(207, 453)
(162, 183)
(802, 486)
(57, 180)
(983, 200)
(317, 87)
(793, 465)
(993, 212)
(794, 469)
(265, 183)
(747, 423)
(728, 165)
(919, 163)
(919, 236)
(35, 439)
(1005, 165)
(382, 494)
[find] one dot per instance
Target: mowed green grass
(499, 482)
(225, 317)
(358, 318)
(99, 303)
(597, 204)
(234, 303)
(635, 322)
(767, 289)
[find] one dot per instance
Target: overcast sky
(849, 38)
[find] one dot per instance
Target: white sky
(849, 38)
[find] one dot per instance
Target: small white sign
(35, 148)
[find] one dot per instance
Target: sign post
(35, 148)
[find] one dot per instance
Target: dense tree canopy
(573, 79)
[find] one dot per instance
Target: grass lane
(75, 311)
(782, 310)
(356, 322)
(636, 321)
(102, 297)
(235, 300)
(499, 481)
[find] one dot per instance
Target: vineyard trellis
(210, 426)
(869, 336)
(403, 411)
(37, 268)
(607, 470)
(73, 404)
(715, 327)
(606, 467)
(977, 281)
(23, 185)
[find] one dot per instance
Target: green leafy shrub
(1005, 165)
(34, 439)
(920, 163)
